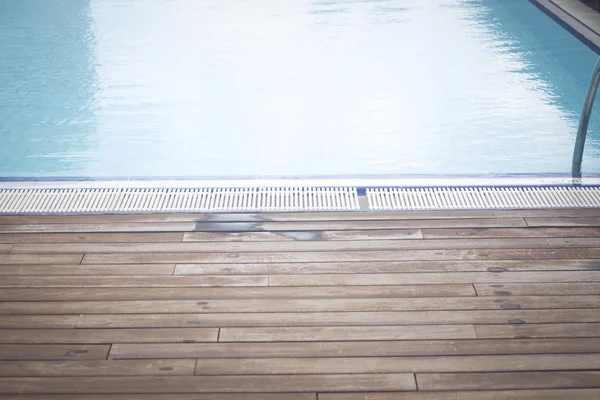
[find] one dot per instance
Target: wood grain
(12, 259)
(385, 365)
(347, 333)
(326, 319)
(132, 281)
(53, 352)
(97, 368)
(538, 331)
(509, 380)
(303, 246)
(213, 384)
(300, 257)
(300, 305)
(181, 292)
(70, 270)
(538, 289)
(433, 278)
(541, 394)
(348, 348)
(107, 336)
(370, 267)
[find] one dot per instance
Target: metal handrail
(584, 121)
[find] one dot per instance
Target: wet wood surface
(424, 305)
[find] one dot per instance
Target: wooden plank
(212, 384)
(347, 348)
(300, 305)
(53, 352)
(432, 278)
(573, 242)
(132, 281)
(104, 269)
(347, 333)
(386, 365)
(356, 225)
(140, 237)
(100, 227)
(5, 248)
(370, 267)
(97, 368)
(171, 396)
(256, 247)
(12, 259)
(282, 257)
(538, 331)
(509, 380)
(192, 293)
(539, 289)
(450, 233)
(541, 394)
(395, 234)
(333, 318)
(562, 221)
(38, 321)
(106, 336)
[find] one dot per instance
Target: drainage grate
(483, 197)
(145, 200)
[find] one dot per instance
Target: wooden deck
(474, 305)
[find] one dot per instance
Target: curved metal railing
(584, 121)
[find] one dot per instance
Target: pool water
(198, 88)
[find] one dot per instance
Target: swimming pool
(173, 88)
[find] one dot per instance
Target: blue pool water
(134, 88)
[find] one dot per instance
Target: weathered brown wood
(328, 246)
(356, 348)
(538, 289)
(300, 305)
(70, 270)
(541, 394)
(191, 293)
(563, 221)
(132, 281)
(509, 380)
(100, 227)
(300, 257)
(332, 318)
(141, 237)
(370, 267)
(38, 321)
(450, 233)
(432, 278)
(573, 242)
(15, 259)
(317, 300)
(107, 336)
(97, 368)
(213, 384)
(358, 225)
(396, 234)
(347, 333)
(538, 331)
(386, 365)
(54, 352)
(171, 396)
